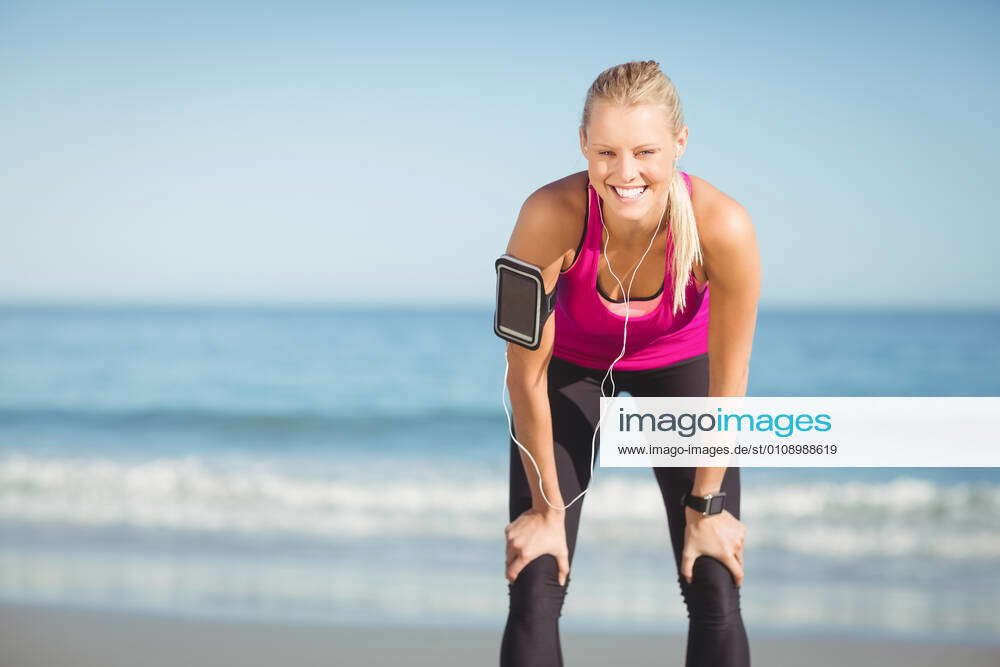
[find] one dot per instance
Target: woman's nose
(628, 168)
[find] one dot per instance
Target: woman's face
(630, 155)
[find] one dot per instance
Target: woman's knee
(536, 590)
(712, 597)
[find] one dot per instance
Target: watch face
(716, 504)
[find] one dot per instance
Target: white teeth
(630, 193)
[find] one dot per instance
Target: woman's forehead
(631, 126)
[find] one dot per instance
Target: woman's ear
(583, 142)
(682, 139)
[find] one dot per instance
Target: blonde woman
(631, 203)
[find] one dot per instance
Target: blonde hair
(642, 82)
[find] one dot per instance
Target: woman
(630, 203)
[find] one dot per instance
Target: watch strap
(707, 505)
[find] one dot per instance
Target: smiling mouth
(630, 193)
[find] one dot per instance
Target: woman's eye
(648, 151)
(605, 153)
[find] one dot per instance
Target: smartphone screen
(518, 309)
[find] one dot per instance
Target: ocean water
(350, 466)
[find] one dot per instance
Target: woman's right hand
(534, 533)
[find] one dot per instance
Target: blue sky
(270, 152)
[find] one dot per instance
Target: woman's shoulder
(718, 215)
(551, 220)
(726, 234)
(563, 197)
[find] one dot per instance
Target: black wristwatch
(708, 505)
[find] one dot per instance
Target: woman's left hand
(719, 535)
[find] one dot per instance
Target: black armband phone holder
(522, 306)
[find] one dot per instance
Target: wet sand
(36, 636)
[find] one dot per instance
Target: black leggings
(716, 635)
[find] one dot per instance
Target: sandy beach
(36, 636)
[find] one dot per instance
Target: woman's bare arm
(732, 262)
(540, 239)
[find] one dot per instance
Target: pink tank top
(589, 327)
